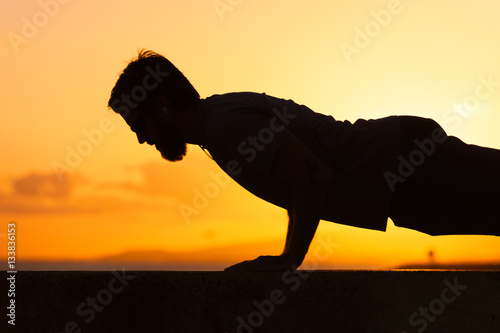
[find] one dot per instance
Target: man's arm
(308, 178)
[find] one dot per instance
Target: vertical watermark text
(11, 273)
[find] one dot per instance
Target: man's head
(149, 85)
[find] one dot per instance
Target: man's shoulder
(221, 108)
(238, 98)
(245, 108)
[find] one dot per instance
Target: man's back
(243, 132)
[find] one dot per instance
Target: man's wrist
(293, 258)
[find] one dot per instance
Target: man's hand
(265, 264)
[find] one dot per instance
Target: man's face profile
(156, 128)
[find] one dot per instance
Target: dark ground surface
(302, 301)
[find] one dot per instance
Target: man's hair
(144, 79)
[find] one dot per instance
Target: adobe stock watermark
(420, 320)
(417, 157)
(95, 137)
(32, 26)
(202, 197)
(426, 147)
(248, 149)
(257, 143)
(87, 310)
(84, 147)
(483, 91)
(224, 6)
(364, 36)
(292, 279)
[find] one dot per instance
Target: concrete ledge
(302, 301)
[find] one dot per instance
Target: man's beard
(172, 146)
(172, 151)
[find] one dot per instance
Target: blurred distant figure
(316, 167)
(431, 257)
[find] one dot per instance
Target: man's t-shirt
(243, 132)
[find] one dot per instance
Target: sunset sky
(79, 186)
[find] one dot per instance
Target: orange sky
(79, 185)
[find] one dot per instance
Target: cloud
(41, 193)
(162, 187)
(45, 185)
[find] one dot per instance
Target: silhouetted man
(314, 166)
